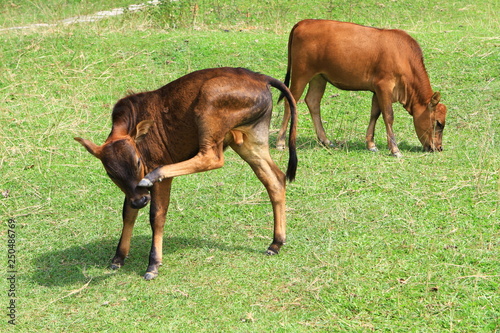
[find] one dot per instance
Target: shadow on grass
(305, 143)
(404, 146)
(78, 264)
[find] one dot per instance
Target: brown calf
(183, 128)
(353, 57)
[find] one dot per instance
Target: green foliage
(374, 243)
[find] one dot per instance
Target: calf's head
(123, 163)
(429, 125)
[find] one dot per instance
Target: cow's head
(429, 125)
(123, 163)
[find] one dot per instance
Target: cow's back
(352, 55)
(179, 107)
(182, 96)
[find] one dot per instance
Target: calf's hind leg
(370, 133)
(314, 94)
(297, 87)
(255, 151)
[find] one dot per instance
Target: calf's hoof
(115, 266)
(270, 252)
(328, 144)
(145, 183)
(150, 275)
(273, 250)
(397, 154)
(280, 146)
(117, 263)
(373, 149)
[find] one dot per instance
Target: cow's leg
(297, 87)
(280, 141)
(370, 133)
(255, 151)
(207, 159)
(129, 215)
(160, 199)
(385, 103)
(313, 99)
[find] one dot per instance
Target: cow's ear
(91, 147)
(142, 129)
(436, 97)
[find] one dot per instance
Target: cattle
(387, 62)
(184, 128)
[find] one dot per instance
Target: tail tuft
(285, 93)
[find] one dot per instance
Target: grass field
(374, 243)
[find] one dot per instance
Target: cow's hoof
(328, 144)
(280, 146)
(271, 252)
(115, 266)
(397, 154)
(117, 263)
(145, 183)
(150, 276)
(373, 149)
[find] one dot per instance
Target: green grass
(374, 243)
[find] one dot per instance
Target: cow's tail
(292, 159)
(289, 64)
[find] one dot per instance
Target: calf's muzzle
(433, 148)
(141, 202)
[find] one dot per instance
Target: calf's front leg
(129, 215)
(207, 159)
(391, 138)
(160, 199)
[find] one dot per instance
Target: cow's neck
(412, 95)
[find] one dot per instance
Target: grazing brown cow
(353, 57)
(183, 128)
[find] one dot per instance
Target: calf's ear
(436, 97)
(91, 147)
(142, 129)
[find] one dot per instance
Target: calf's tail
(289, 63)
(292, 159)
